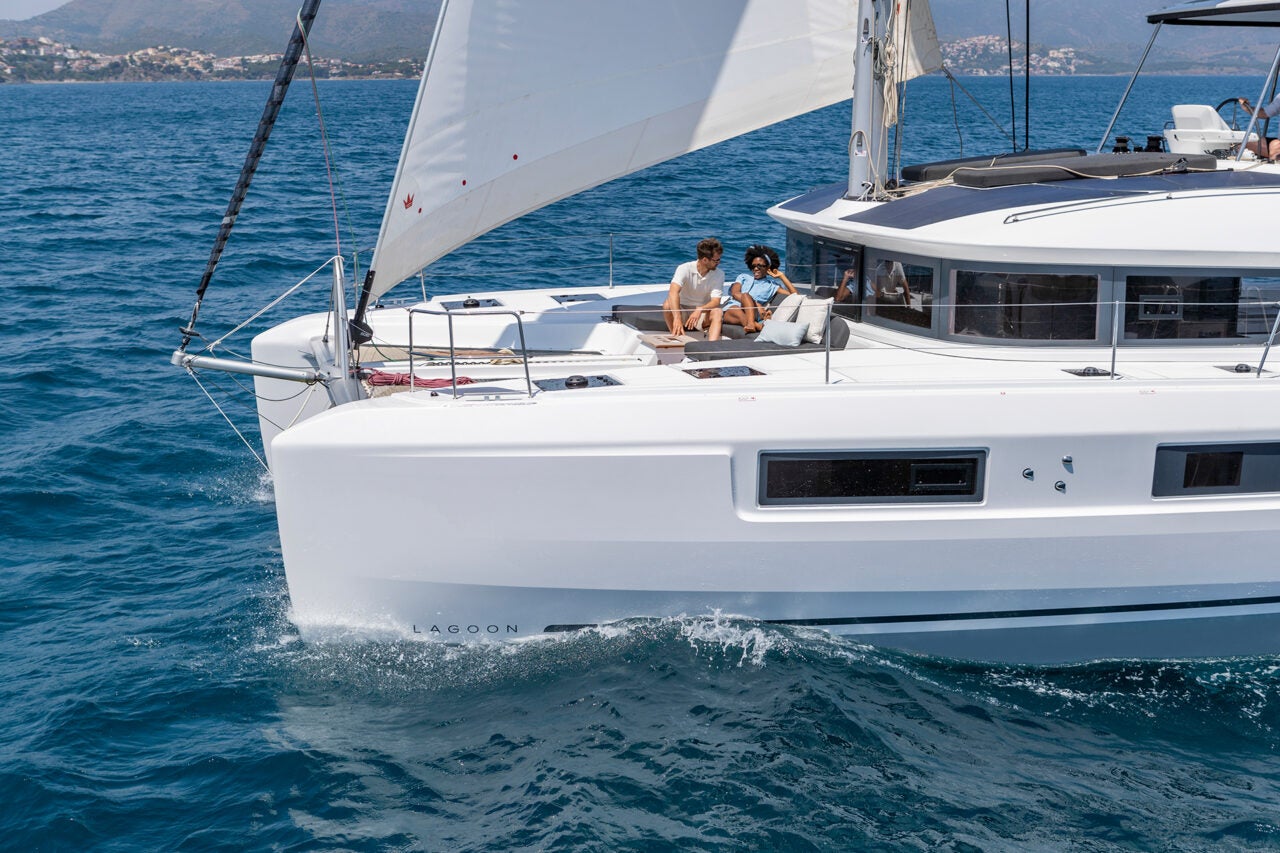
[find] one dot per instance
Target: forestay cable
(288, 63)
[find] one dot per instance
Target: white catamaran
(1029, 415)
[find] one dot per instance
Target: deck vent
(723, 372)
(1241, 368)
(470, 302)
(575, 381)
(1088, 371)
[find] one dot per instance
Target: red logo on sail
(408, 201)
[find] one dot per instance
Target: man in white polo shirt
(695, 289)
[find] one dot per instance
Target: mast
(868, 153)
(284, 76)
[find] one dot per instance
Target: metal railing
(453, 350)
(934, 310)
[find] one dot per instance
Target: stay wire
(331, 170)
(284, 75)
(1013, 108)
(957, 84)
(230, 423)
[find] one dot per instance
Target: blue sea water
(154, 696)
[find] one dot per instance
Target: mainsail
(523, 103)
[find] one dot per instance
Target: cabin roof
(1222, 13)
(953, 202)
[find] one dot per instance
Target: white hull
(1016, 410)
(518, 516)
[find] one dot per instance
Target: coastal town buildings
(40, 60)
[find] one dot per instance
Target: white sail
(912, 51)
(523, 103)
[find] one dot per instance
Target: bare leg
(740, 317)
(750, 307)
(673, 317)
(717, 317)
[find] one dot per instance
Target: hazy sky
(17, 10)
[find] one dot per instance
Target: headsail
(524, 103)
(913, 50)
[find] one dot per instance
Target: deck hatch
(571, 298)
(470, 303)
(736, 370)
(575, 382)
(858, 477)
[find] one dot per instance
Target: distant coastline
(44, 60)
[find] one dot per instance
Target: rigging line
(1026, 87)
(310, 390)
(234, 428)
(273, 303)
(900, 59)
(489, 273)
(978, 104)
(955, 113)
(1013, 109)
(288, 63)
(255, 395)
(252, 410)
(331, 171)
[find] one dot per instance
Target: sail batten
(525, 103)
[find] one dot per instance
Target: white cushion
(782, 333)
(813, 313)
(786, 310)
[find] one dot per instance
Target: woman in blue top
(747, 302)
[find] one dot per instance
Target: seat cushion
(715, 350)
(644, 318)
(813, 313)
(783, 333)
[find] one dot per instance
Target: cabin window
(828, 267)
(836, 275)
(899, 291)
(1025, 306)
(1216, 469)
(1199, 307)
(865, 477)
(800, 257)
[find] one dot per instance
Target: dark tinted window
(871, 477)
(1024, 306)
(1216, 469)
(1192, 307)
